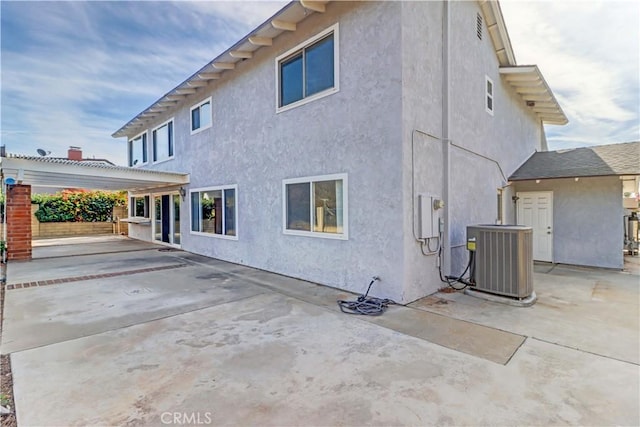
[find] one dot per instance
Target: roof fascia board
(219, 59)
(498, 31)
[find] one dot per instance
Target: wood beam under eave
(210, 76)
(532, 83)
(185, 91)
(316, 6)
(526, 90)
(521, 77)
(241, 54)
(537, 98)
(197, 83)
(223, 65)
(555, 119)
(175, 97)
(260, 41)
(543, 110)
(283, 25)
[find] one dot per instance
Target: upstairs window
(138, 150)
(163, 142)
(309, 71)
(201, 116)
(488, 95)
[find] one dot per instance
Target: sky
(72, 73)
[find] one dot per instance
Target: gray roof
(599, 160)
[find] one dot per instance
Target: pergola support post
(18, 222)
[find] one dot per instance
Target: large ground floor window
(316, 206)
(214, 211)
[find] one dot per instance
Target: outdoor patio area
(113, 331)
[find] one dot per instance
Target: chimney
(74, 153)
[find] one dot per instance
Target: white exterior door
(535, 210)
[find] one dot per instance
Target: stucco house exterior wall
(587, 219)
(590, 189)
(383, 129)
(356, 131)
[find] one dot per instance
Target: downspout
(446, 161)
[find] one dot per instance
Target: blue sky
(75, 72)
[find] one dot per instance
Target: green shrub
(77, 206)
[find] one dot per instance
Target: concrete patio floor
(134, 335)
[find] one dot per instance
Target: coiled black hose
(365, 305)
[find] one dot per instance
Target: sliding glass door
(166, 220)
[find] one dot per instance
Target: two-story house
(342, 140)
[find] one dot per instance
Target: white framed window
(488, 98)
(138, 150)
(139, 206)
(201, 116)
(214, 211)
(316, 206)
(162, 141)
(309, 71)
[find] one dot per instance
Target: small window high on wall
(201, 116)
(163, 142)
(308, 71)
(138, 150)
(488, 99)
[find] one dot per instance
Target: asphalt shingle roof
(600, 160)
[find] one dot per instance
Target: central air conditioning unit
(503, 259)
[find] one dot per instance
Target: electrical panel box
(430, 208)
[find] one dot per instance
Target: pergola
(19, 173)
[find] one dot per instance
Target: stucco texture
(372, 129)
(587, 220)
(356, 131)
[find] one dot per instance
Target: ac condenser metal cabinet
(503, 259)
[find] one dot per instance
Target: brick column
(19, 222)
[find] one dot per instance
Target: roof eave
(284, 20)
(498, 31)
(530, 84)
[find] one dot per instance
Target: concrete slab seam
(516, 350)
(585, 351)
(34, 284)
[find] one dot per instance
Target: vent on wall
(479, 26)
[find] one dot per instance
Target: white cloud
(83, 69)
(74, 72)
(249, 14)
(588, 52)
